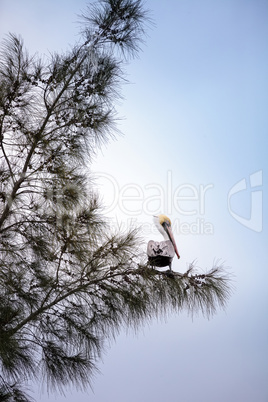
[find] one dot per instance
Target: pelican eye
(166, 223)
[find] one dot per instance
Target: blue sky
(195, 124)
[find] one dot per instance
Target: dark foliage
(67, 282)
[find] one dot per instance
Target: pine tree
(68, 282)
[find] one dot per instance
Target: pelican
(161, 254)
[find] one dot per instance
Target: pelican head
(163, 224)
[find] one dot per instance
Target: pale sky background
(195, 125)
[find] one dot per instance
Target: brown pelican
(160, 254)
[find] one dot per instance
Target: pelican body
(160, 254)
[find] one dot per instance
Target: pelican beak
(171, 237)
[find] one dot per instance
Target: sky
(194, 142)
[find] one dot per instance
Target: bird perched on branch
(160, 254)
